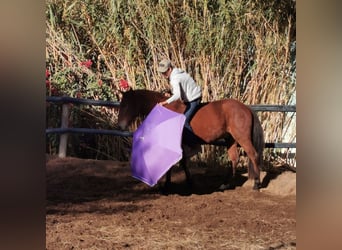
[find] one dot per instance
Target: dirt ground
(94, 204)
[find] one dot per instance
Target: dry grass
(234, 49)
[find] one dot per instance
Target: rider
(183, 87)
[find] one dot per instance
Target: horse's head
(136, 103)
(129, 109)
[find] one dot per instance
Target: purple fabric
(157, 145)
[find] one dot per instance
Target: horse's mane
(149, 94)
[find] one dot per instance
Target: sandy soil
(95, 204)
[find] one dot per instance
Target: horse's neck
(148, 100)
(176, 106)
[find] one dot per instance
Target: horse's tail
(258, 143)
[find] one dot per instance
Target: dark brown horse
(226, 119)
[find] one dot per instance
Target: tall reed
(234, 49)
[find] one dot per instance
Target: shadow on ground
(77, 181)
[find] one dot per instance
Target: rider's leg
(189, 111)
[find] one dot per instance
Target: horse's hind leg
(253, 166)
(234, 157)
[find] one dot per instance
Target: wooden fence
(64, 129)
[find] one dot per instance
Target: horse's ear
(122, 92)
(125, 90)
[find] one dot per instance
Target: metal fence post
(63, 140)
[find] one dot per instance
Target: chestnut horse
(226, 119)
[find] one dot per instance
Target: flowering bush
(86, 80)
(80, 81)
(87, 64)
(124, 85)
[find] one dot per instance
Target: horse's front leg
(167, 184)
(183, 163)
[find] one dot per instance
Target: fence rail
(64, 129)
(67, 99)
